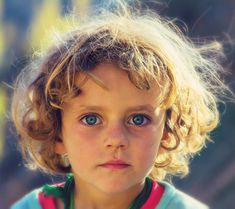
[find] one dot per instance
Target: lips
(115, 165)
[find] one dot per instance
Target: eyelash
(145, 119)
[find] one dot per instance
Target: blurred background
(23, 26)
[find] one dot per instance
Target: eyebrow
(147, 107)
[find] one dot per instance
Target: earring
(65, 160)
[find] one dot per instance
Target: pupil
(91, 120)
(138, 120)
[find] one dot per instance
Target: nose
(117, 136)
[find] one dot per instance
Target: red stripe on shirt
(47, 202)
(155, 196)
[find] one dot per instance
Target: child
(121, 103)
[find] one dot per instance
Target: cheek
(80, 142)
(82, 135)
(149, 142)
(150, 136)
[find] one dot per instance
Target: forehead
(108, 80)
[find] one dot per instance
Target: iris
(91, 120)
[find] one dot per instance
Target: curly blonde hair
(151, 49)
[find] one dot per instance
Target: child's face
(112, 134)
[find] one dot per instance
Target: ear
(60, 148)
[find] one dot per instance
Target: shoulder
(29, 201)
(38, 199)
(173, 198)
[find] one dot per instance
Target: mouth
(115, 165)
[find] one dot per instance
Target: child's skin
(112, 135)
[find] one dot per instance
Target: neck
(88, 197)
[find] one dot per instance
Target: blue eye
(138, 120)
(91, 119)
